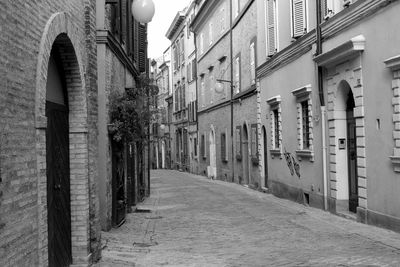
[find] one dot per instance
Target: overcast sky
(158, 27)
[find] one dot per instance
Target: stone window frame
(303, 94)
(275, 104)
(393, 64)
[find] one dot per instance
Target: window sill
(396, 163)
(275, 153)
(305, 154)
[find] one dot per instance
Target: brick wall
(22, 27)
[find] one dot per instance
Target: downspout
(197, 109)
(232, 86)
(322, 102)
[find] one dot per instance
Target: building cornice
(204, 12)
(105, 37)
(345, 51)
(287, 55)
(214, 107)
(393, 63)
(346, 18)
(175, 25)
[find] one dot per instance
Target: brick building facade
(48, 129)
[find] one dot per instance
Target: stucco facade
(347, 162)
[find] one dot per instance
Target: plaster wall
(282, 82)
(382, 182)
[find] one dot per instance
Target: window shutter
(201, 43)
(299, 18)
(237, 74)
(210, 32)
(183, 96)
(271, 28)
(222, 19)
(324, 8)
(142, 47)
(194, 68)
(182, 50)
(223, 146)
(252, 63)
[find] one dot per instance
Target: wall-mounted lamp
(143, 10)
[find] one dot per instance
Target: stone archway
(60, 35)
(345, 83)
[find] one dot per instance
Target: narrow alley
(190, 220)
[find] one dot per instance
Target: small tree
(130, 113)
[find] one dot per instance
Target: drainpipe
(232, 86)
(322, 102)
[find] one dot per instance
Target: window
(235, 8)
(238, 143)
(202, 91)
(175, 57)
(193, 68)
(182, 59)
(222, 19)
(331, 7)
(223, 147)
(210, 33)
(254, 143)
(237, 74)
(299, 19)
(276, 128)
(201, 41)
(195, 147)
(304, 122)
(253, 62)
(212, 85)
(276, 125)
(176, 98)
(182, 95)
(203, 146)
(189, 71)
(178, 54)
(270, 12)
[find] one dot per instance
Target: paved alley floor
(199, 222)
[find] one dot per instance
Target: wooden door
(118, 184)
(352, 162)
(131, 178)
(58, 185)
(265, 157)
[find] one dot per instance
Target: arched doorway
(265, 156)
(61, 114)
(57, 162)
(245, 149)
(346, 151)
(213, 155)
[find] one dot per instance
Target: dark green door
(58, 185)
(352, 154)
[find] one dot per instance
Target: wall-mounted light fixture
(143, 10)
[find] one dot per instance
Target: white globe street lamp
(143, 10)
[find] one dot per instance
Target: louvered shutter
(324, 8)
(237, 74)
(142, 47)
(299, 18)
(271, 28)
(252, 63)
(135, 40)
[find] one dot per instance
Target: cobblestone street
(199, 222)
